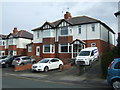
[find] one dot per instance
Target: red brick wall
(102, 45)
(48, 55)
(12, 47)
(65, 39)
(64, 55)
(21, 51)
(48, 40)
(2, 48)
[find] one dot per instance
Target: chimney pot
(15, 30)
(67, 15)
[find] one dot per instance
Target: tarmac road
(90, 77)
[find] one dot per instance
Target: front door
(38, 51)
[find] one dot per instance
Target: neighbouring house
(16, 42)
(64, 38)
(117, 14)
(3, 45)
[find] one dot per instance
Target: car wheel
(46, 69)
(116, 84)
(90, 62)
(60, 66)
(7, 65)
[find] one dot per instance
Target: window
(37, 34)
(79, 29)
(48, 48)
(48, 33)
(65, 48)
(54, 60)
(3, 43)
(117, 66)
(93, 27)
(93, 44)
(64, 31)
(29, 48)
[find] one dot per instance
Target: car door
(55, 63)
(92, 55)
(117, 68)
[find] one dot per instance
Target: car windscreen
(16, 59)
(84, 53)
(44, 61)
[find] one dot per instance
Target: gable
(63, 23)
(46, 26)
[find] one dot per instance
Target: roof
(3, 36)
(29, 44)
(75, 21)
(117, 13)
(22, 34)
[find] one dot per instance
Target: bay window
(48, 48)
(65, 48)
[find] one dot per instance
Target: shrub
(108, 57)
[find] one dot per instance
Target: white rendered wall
(22, 42)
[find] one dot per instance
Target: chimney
(67, 15)
(15, 30)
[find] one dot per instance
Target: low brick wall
(24, 67)
(67, 66)
(28, 66)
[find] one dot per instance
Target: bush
(108, 57)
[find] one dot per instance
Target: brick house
(117, 14)
(2, 45)
(16, 42)
(64, 38)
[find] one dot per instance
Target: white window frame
(93, 27)
(68, 46)
(50, 31)
(52, 48)
(93, 45)
(62, 28)
(37, 34)
(79, 29)
(30, 48)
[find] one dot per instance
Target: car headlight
(3, 63)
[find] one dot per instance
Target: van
(87, 56)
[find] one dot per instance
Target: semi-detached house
(15, 43)
(64, 38)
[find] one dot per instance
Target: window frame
(93, 27)
(63, 29)
(68, 48)
(51, 46)
(79, 29)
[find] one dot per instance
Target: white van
(87, 56)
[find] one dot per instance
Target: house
(2, 45)
(64, 38)
(16, 42)
(117, 14)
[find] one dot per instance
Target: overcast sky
(29, 15)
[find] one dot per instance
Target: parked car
(87, 56)
(23, 60)
(47, 64)
(7, 62)
(113, 76)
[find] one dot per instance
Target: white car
(47, 64)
